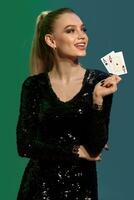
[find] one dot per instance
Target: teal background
(110, 27)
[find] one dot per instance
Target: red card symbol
(110, 59)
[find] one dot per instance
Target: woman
(64, 113)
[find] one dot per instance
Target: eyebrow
(72, 25)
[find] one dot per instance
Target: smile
(80, 46)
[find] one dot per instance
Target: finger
(102, 82)
(116, 78)
(107, 80)
(76, 149)
(109, 83)
(113, 79)
(97, 158)
(94, 159)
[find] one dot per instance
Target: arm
(29, 143)
(100, 126)
(102, 96)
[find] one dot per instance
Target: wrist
(97, 99)
(97, 107)
(97, 102)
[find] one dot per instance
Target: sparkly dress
(50, 131)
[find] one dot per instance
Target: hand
(84, 154)
(104, 88)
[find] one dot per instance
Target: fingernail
(108, 85)
(102, 82)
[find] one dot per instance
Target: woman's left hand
(84, 154)
(105, 87)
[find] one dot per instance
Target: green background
(110, 27)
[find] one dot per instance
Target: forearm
(33, 147)
(98, 133)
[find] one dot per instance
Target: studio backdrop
(110, 27)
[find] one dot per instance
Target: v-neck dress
(48, 130)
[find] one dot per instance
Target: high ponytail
(42, 55)
(37, 57)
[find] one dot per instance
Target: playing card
(119, 63)
(108, 62)
(115, 63)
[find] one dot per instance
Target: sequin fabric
(49, 133)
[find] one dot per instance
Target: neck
(65, 69)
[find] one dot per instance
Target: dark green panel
(18, 20)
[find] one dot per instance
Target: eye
(71, 30)
(84, 29)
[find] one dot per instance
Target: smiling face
(69, 36)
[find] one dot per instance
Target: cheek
(88, 39)
(65, 41)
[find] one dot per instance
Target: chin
(76, 55)
(81, 54)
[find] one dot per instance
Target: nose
(81, 35)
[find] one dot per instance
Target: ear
(49, 39)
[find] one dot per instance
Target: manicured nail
(108, 85)
(102, 82)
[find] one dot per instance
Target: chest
(66, 92)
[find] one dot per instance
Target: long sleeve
(29, 144)
(98, 131)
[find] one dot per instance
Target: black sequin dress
(49, 131)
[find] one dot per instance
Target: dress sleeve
(99, 126)
(29, 143)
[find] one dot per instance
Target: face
(69, 36)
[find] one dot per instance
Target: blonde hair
(36, 56)
(42, 55)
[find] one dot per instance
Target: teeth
(82, 45)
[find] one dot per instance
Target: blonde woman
(64, 113)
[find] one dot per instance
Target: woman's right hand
(84, 154)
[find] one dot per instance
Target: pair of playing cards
(115, 63)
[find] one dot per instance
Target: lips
(80, 45)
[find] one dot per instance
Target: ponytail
(37, 55)
(41, 55)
